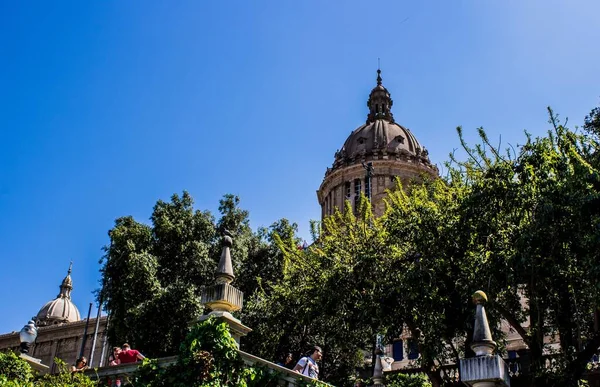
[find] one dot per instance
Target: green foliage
(13, 368)
(159, 269)
(65, 378)
(407, 380)
(328, 295)
(15, 372)
(208, 357)
(521, 224)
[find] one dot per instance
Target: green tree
(152, 275)
(529, 214)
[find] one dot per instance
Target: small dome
(61, 309)
(58, 311)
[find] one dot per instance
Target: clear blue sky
(107, 106)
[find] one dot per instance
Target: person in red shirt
(128, 355)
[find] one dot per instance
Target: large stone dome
(387, 149)
(380, 137)
(61, 309)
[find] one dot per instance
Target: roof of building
(61, 309)
(380, 135)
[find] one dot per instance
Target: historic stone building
(372, 157)
(61, 332)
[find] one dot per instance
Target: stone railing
(124, 372)
(450, 373)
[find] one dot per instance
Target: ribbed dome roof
(61, 309)
(380, 135)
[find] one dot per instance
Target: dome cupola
(61, 309)
(380, 102)
(388, 149)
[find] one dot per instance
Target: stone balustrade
(288, 378)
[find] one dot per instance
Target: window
(413, 349)
(357, 190)
(398, 350)
(348, 190)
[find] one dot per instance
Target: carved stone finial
(482, 343)
(225, 268)
(485, 369)
(379, 77)
(222, 298)
(377, 369)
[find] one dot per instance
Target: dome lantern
(380, 103)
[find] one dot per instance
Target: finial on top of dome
(70, 268)
(379, 77)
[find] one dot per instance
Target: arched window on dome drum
(348, 190)
(357, 190)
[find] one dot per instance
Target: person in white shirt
(308, 364)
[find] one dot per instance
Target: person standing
(128, 355)
(285, 360)
(308, 364)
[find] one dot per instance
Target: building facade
(62, 333)
(372, 157)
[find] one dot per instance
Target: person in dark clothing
(285, 360)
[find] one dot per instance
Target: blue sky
(106, 107)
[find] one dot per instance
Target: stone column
(223, 298)
(378, 370)
(485, 369)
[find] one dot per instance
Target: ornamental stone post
(378, 370)
(485, 369)
(222, 298)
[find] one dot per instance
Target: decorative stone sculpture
(485, 369)
(378, 370)
(223, 298)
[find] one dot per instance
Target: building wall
(62, 341)
(333, 191)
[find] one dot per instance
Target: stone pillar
(378, 370)
(485, 369)
(223, 298)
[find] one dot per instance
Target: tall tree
(529, 214)
(152, 275)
